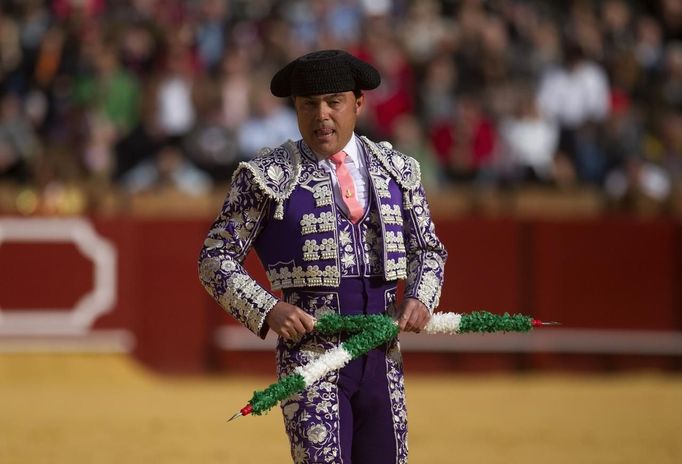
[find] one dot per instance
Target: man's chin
(324, 149)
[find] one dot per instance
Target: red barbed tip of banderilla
(539, 323)
(245, 411)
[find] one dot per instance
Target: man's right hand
(289, 321)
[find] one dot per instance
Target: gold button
(349, 193)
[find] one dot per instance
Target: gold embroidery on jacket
(381, 182)
(312, 276)
(315, 251)
(395, 268)
(311, 224)
(394, 242)
(391, 214)
(322, 193)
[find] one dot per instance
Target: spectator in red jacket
(465, 144)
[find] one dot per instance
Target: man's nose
(322, 111)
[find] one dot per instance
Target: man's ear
(359, 103)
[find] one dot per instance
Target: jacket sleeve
(426, 254)
(220, 262)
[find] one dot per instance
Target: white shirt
(357, 170)
(531, 142)
(572, 97)
(176, 114)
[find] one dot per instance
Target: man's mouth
(324, 132)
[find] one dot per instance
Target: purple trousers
(356, 415)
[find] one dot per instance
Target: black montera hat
(325, 71)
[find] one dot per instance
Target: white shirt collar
(351, 150)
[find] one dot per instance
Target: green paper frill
(370, 331)
(378, 329)
(263, 400)
(485, 322)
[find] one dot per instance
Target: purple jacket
(281, 203)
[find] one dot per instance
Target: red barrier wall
(485, 267)
(606, 274)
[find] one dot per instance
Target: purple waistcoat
(314, 244)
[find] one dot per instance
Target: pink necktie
(347, 186)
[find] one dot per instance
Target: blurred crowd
(132, 96)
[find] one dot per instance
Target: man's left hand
(413, 315)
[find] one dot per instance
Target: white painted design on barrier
(97, 341)
(98, 301)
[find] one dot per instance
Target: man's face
(327, 121)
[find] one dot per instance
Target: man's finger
(403, 320)
(418, 321)
(309, 323)
(412, 323)
(408, 319)
(424, 320)
(298, 327)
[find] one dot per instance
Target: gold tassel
(279, 211)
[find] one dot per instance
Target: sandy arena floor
(105, 409)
